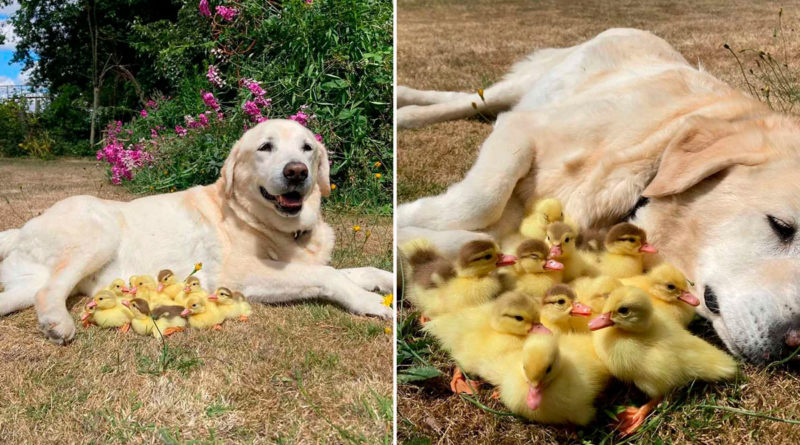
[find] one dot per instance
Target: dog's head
(278, 172)
(726, 208)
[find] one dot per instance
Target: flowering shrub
(324, 64)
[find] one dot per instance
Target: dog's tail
(8, 240)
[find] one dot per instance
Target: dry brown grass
(305, 373)
(455, 45)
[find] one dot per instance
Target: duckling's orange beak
(648, 248)
(133, 290)
(534, 398)
(186, 313)
(213, 297)
(555, 251)
(160, 287)
(91, 304)
(85, 316)
(187, 289)
(689, 299)
(505, 260)
(125, 303)
(539, 328)
(600, 322)
(125, 290)
(553, 265)
(580, 309)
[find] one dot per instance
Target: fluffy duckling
(561, 240)
(203, 314)
(478, 337)
(668, 289)
(87, 316)
(533, 273)
(146, 287)
(554, 379)
(439, 288)
(559, 308)
(223, 299)
(167, 284)
(625, 246)
(655, 353)
(118, 287)
(141, 322)
(168, 320)
(243, 308)
(192, 289)
(110, 312)
(545, 212)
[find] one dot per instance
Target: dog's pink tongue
(289, 201)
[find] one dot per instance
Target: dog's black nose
(295, 171)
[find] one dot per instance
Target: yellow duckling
(168, 320)
(625, 245)
(118, 288)
(554, 379)
(223, 299)
(439, 288)
(87, 316)
(545, 212)
(533, 273)
(562, 239)
(110, 312)
(652, 351)
(669, 290)
(192, 289)
(141, 322)
(592, 292)
(478, 336)
(168, 285)
(559, 307)
(203, 314)
(145, 286)
(243, 308)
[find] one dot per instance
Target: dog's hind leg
(410, 96)
(479, 200)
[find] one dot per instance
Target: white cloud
(6, 81)
(10, 9)
(7, 30)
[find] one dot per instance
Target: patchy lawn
(305, 373)
(455, 45)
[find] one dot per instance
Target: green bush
(21, 131)
(333, 57)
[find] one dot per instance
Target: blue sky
(9, 73)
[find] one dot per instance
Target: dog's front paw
(58, 331)
(371, 279)
(374, 307)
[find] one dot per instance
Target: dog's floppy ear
(229, 168)
(701, 148)
(323, 170)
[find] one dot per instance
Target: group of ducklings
(163, 307)
(551, 325)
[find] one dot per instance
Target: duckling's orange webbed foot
(495, 394)
(423, 319)
(632, 418)
(172, 330)
(86, 323)
(217, 327)
(460, 384)
(243, 318)
(125, 328)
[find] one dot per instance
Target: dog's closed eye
(783, 229)
(267, 146)
(307, 147)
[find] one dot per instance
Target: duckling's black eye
(488, 257)
(671, 286)
(518, 317)
(562, 301)
(623, 310)
(549, 368)
(566, 240)
(783, 229)
(267, 146)
(307, 147)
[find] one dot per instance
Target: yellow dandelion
(356, 228)
(166, 172)
(378, 175)
(368, 233)
(387, 300)
(333, 186)
(198, 267)
(387, 330)
(377, 164)
(480, 93)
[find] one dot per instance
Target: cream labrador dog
(258, 229)
(623, 119)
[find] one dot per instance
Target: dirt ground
(467, 45)
(305, 373)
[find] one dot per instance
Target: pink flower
(300, 117)
(220, 116)
(318, 137)
(180, 131)
(214, 77)
(227, 13)
(190, 122)
(153, 133)
(210, 101)
(254, 87)
(204, 9)
(263, 103)
(202, 119)
(151, 104)
(308, 2)
(251, 108)
(143, 113)
(261, 119)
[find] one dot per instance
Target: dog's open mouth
(290, 203)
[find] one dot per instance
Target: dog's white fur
(244, 241)
(620, 116)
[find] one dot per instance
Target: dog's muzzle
(289, 203)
